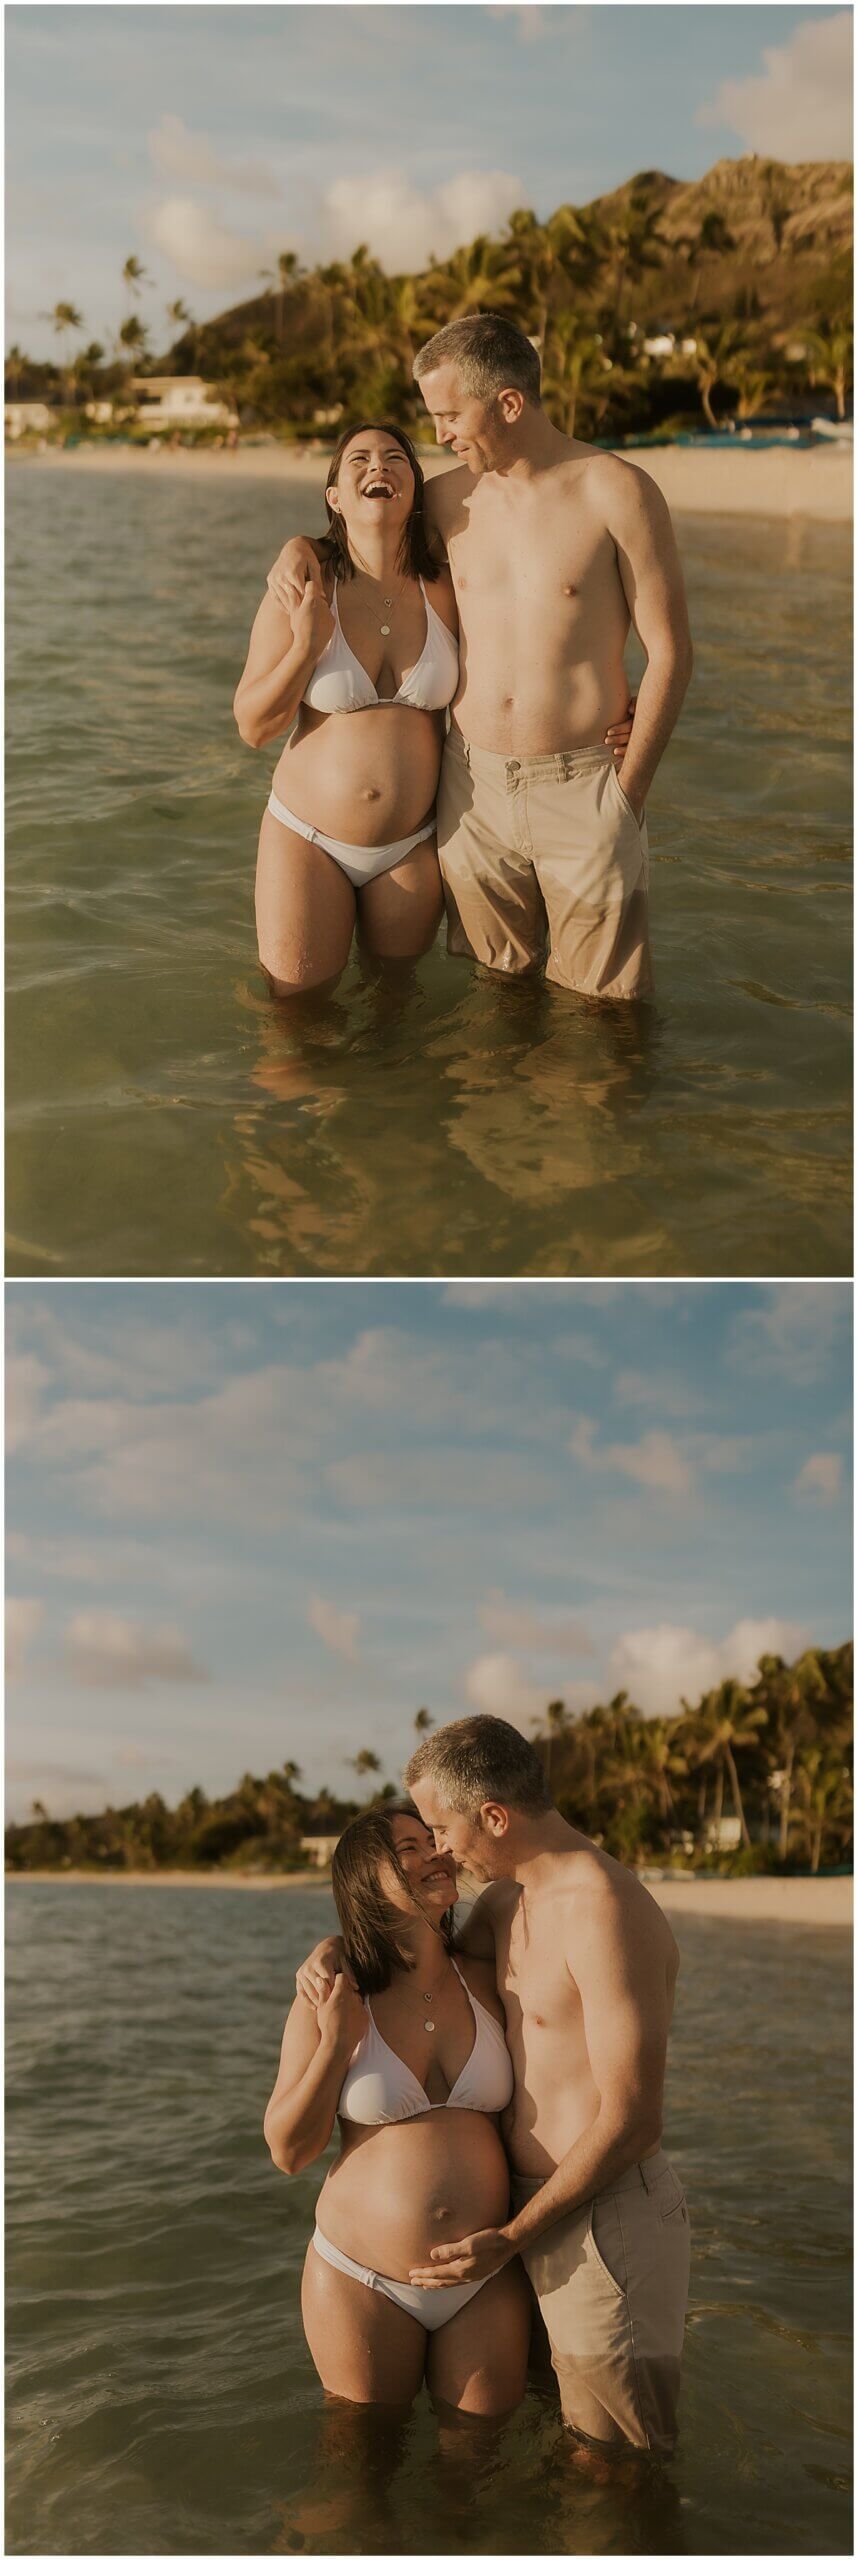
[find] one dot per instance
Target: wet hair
(415, 557)
(370, 1925)
(480, 1761)
(489, 353)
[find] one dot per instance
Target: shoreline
(798, 1901)
(813, 484)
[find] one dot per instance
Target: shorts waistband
(510, 770)
(645, 2173)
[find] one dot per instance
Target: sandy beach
(808, 1901)
(815, 483)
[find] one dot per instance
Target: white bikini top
(379, 2088)
(340, 683)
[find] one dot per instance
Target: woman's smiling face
(375, 483)
(431, 1876)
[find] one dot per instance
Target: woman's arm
(443, 595)
(284, 649)
(314, 2058)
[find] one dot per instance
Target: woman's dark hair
(415, 558)
(369, 1923)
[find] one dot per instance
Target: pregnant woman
(365, 653)
(414, 2067)
(368, 659)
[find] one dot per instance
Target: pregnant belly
(404, 2187)
(366, 777)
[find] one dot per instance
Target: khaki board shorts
(544, 853)
(612, 2286)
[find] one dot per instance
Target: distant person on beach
(405, 2053)
(554, 549)
(585, 1965)
(362, 643)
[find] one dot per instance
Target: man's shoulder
(445, 492)
(620, 489)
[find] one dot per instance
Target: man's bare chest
(534, 1975)
(562, 572)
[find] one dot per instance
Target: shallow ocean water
(167, 1117)
(160, 2395)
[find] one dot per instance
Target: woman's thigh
(305, 911)
(399, 913)
(363, 2347)
(478, 2362)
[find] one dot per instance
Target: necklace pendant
(428, 1995)
(385, 629)
(429, 2026)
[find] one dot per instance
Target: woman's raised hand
(312, 621)
(294, 565)
(319, 1971)
(341, 2017)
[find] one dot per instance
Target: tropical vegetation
(756, 1775)
(656, 308)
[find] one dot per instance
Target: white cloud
(497, 1686)
(799, 106)
(821, 1477)
(191, 156)
(656, 1460)
(546, 1631)
(339, 1629)
(659, 1666)
(403, 225)
(793, 1331)
(105, 1651)
(204, 251)
(23, 1617)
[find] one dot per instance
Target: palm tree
(286, 272)
(478, 278)
(795, 1698)
(64, 317)
(576, 366)
(365, 1764)
(727, 1721)
(132, 343)
(179, 318)
(823, 1802)
(830, 349)
(134, 276)
(556, 1721)
(552, 256)
(16, 365)
(636, 242)
(423, 1721)
(715, 360)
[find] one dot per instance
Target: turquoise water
(160, 2396)
(166, 1117)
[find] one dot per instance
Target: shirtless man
(553, 550)
(586, 1969)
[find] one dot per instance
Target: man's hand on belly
(483, 2253)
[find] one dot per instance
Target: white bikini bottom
(360, 862)
(432, 2309)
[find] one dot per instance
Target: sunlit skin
(363, 777)
(554, 549)
(396, 2188)
(585, 1965)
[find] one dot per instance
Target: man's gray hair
(478, 1761)
(490, 355)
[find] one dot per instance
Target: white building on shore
(176, 400)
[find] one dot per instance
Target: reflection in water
(165, 1116)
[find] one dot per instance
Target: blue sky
(252, 1522)
(206, 139)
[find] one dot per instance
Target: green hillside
(752, 263)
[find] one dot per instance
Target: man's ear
(512, 403)
(495, 1818)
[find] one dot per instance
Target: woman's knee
(303, 981)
